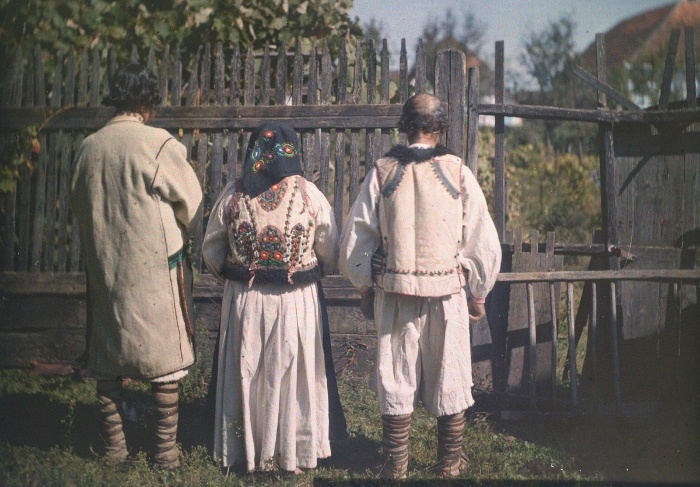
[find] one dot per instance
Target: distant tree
(445, 34)
(549, 57)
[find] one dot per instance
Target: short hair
(423, 113)
(131, 86)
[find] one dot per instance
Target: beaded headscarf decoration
(271, 156)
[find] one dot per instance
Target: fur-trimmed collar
(406, 155)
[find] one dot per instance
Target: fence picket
(176, 98)
(25, 197)
(164, 75)
(202, 153)
(65, 168)
(52, 171)
(372, 134)
(265, 73)
(40, 200)
(325, 96)
(217, 154)
(281, 76)
(421, 68)
(151, 60)
(95, 78)
(235, 92)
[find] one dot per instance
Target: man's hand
(367, 304)
(477, 310)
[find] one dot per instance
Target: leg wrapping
(108, 393)
(166, 402)
(451, 458)
(395, 442)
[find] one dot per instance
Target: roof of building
(647, 33)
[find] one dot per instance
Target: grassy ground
(49, 436)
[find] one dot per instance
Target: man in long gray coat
(135, 195)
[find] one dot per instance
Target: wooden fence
(346, 110)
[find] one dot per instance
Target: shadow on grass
(35, 420)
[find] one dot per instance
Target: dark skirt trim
(240, 273)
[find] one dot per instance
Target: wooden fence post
(451, 87)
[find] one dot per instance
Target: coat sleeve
(215, 247)
(176, 182)
(326, 236)
(361, 236)
(480, 253)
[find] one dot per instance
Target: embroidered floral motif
(244, 239)
(285, 150)
(443, 179)
(259, 165)
(272, 246)
(271, 199)
(268, 134)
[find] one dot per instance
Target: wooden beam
(499, 157)
(334, 287)
(690, 68)
(668, 68)
(605, 88)
(311, 116)
(473, 120)
(583, 115)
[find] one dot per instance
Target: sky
(506, 20)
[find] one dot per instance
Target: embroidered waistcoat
(420, 219)
(271, 235)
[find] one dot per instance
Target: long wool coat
(134, 195)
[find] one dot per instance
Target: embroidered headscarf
(271, 156)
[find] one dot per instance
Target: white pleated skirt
(271, 394)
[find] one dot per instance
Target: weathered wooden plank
(297, 75)
(421, 68)
(473, 120)
(403, 73)
(151, 60)
(234, 100)
(40, 191)
(372, 73)
(191, 101)
(75, 250)
(341, 95)
(90, 118)
(384, 69)
(605, 88)
(95, 78)
(312, 88)
(690, 68)
(134, 58)
(325, 99)
(84, 70)
(499, 158)
(12, 96)
(65, 169)
(281, 76)
(176, 99)
(66, 142)
(265, 74)
(164, 75)
(669, 68)
(339, 185)
(25, 187)
(357, 74)
(249, 78)
(52, 171)
(202, 156)
(217, 151)
(601, 67)
(112, 67)
(354, 166)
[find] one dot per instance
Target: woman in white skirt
(271, 236)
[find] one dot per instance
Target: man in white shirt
(420, 237)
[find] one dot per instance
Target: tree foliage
(62, 24)
(447, 34)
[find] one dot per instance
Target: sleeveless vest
(420, 220)
(271, 235)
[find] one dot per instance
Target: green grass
(66, 452)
